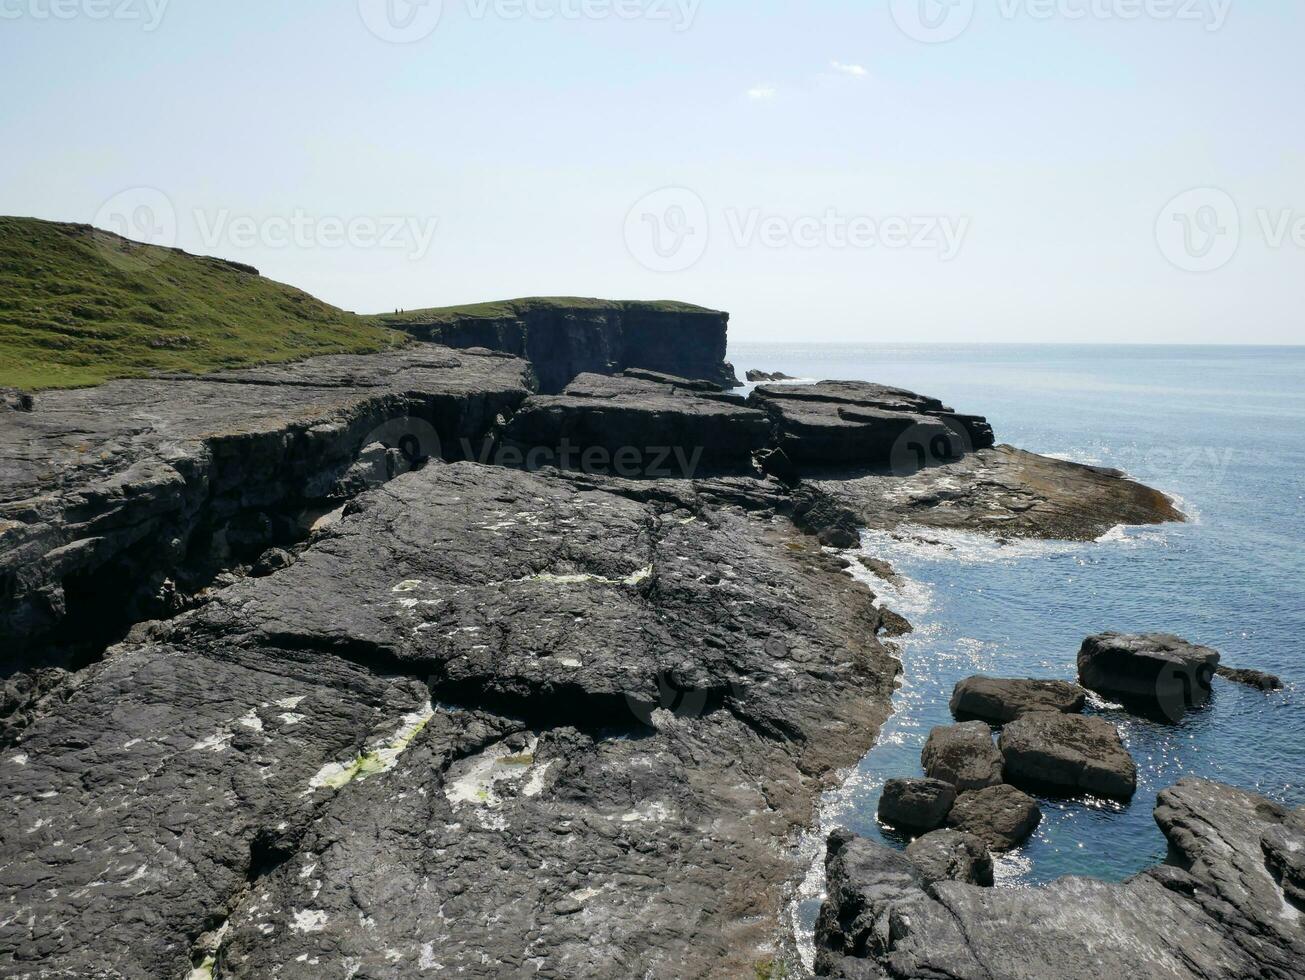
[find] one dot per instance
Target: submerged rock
(916, 804)
(950, 855)
(1217, 913)
(1000, 700)
(1068, 754)
(963, 755)
(1000, 816)
(1251, 678)
(1153, 672)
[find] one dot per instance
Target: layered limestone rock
(566, 338)
(1218, 910)
(108, 493)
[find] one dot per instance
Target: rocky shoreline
(381, 690)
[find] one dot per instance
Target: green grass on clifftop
(509, 308)
(80, 306)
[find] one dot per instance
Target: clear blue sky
(1050, 145)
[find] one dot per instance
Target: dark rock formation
(1154, 672)
(962, 755)
(1217, 912)
(851, 423)
(1001, 491)
(880, 568)
(564, 339)
(755, 376)
(1000, 700)
(1251, 678)
(950, 855)
(1000, 816)
(635, 427)
(916, 804)
(444, 704)
(1068, 754)
(107, 492)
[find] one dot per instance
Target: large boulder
(855, 423)
(1151, 672)
(1000, 700)
(916, 804)
(1217, 912)
(963, 755)
(634, 426)
(1068, 754)
(1000, 816)
(951, 855)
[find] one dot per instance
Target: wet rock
(1218, 913)
(1251, 678)
(848, 423)
(916, 804)
(963, 755)
(1153, 672)
(880, 568)
(1000, 700)
(634, 427)
(755, 376)
(950, 855)
(1001, 816)
(1068, 754)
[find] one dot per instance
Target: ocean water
(1220, 429)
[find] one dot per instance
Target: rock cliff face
(1226, 906)
(565, 338)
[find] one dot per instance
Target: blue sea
(1222, 430)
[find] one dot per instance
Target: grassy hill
(79, 306)
(508, 308)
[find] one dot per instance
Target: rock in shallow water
(999, 700)
(1068, 754)
(1224, 916)
(1000, 816)
(962, 755)
(916, 804)
(1152, 672)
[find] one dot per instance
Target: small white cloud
(762, 93)
(854, 71)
